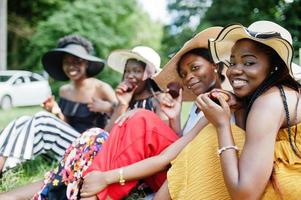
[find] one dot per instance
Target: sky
(157, 9)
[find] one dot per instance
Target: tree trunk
(3, 34)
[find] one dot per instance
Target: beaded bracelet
(221, 150)
(121, 179)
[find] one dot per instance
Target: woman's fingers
(222, 101)
(121, 88)
(204, 102)
(224, 104)
(179, 98)
(199, 102)
(165, 99)
(83, 192)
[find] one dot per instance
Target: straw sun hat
(265, 32)
(118, 58)
(169, 72)
(53, 61)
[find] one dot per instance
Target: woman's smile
(238, 83)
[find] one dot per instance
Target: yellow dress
(196, 172)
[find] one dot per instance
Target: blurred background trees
(35, 26)
(192, 16)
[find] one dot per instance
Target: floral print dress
(67, 178)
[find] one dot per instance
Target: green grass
(30, 171)
(34, 170)
(9, 115)
(186, 106)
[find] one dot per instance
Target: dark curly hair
(76, 39)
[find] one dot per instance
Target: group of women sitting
(243, 144)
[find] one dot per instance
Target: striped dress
(29, 136)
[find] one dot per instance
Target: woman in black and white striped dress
(136, 90)
(85, 102)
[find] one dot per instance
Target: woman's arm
(157, 163)
(104, 99)
(169, 110)
(52, 106)
(163, 192)
(118, 111)
(96, 181)
(124, 97)
(247, 176)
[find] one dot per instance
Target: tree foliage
(206, 13)
(292, 21)
(22, 19)
(109, 24)
(180, 30)
(34, 11)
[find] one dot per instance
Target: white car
(22, 88)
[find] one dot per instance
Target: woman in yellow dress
(259, 158)
(269, 161)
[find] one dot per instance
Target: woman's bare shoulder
(271, 96)
(103, 88)
(65, 90)
(271, 101)
(99, 83)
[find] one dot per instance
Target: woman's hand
(124, 93)
(218, 115)
(93, 183)
(99, 105)
(51, 106)
(48, 103)
(169, 106)
(234, 103)
(122, 118)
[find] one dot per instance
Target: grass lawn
(9, 115)
(186, 106)
(34, 170)
(30, 171)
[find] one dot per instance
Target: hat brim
(169, 72)
(117, 60)
(221, 47)
(296, 69)
(53, 63)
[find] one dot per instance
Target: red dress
(140, 137)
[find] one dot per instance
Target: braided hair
(279, 77)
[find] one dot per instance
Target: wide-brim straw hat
(169, 72)
(118, 58)
(265, 32)
(53, 61)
